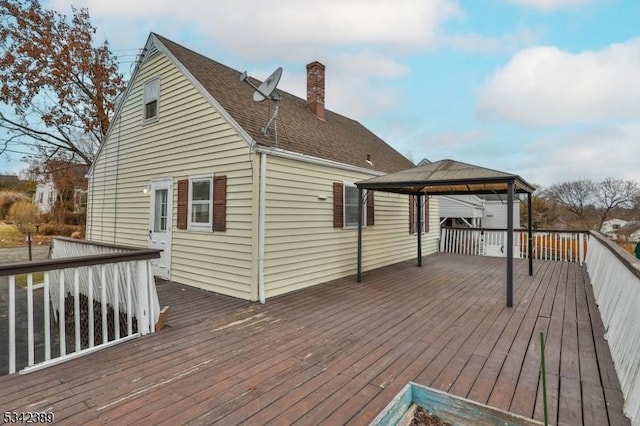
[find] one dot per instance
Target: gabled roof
(338, 138)
(447, 177)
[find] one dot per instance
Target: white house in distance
(45, 196)
(477, 211)
(66, 175)
(186, 167)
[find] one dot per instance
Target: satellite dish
(267, 91)
(268, 86)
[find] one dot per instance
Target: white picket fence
(569, 246)
(84, 275)
(615, 277)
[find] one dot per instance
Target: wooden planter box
(449, 408)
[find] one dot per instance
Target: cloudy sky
(547, 89)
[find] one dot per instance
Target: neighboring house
(477, 211)
(610, 227)
(45, 195)
(461, 210)
(237, 211)
(57, 175)
(622, 230)
(630, 232)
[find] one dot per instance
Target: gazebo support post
(419, 215)
(530, 232)
(510, 186)
(360, 212)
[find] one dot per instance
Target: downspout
(261, 224)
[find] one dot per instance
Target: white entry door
(160, 226)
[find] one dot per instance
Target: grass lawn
(38, 278)
(10, 236)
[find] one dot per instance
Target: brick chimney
(315, 89)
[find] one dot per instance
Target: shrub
(24, 214)
(61, 230)
(7, 199)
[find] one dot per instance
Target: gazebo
(449, 177)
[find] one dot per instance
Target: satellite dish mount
(267, 90)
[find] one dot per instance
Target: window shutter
(412, 221)
(426, 213)
(370, 209)
(183, 199)
(220, 203)
(338, 208)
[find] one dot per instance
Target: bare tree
(60, 84)
(577, 197)
(544, 213)
(612, 193)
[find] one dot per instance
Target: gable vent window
(151, 97)
(151, 52)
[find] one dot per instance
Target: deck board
(339, 352)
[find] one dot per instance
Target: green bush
(24, 214)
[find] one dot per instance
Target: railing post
(90, 308)
(150, 293)
(61, 314)
(143, 297)
(116, 301)
(47, 319)
(103, 303)
(30, 337)
(12, 324)
(76, 309)
(129, 301)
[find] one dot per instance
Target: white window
(151, 97)
(350, 203)
(423, 211)
(200, 203)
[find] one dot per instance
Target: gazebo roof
(447, 177)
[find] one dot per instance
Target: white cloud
(548, 5)
(479, 43)
(361, 42)
(545, 86)
(265, 29)
(595, 152)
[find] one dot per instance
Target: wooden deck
(339, 352)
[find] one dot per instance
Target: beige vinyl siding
(302, 246)
(189, 138)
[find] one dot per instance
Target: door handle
(150, 231)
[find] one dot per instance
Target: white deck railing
(92, 296)
(570, 246)
(615, 277)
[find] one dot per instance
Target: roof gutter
(279, 152)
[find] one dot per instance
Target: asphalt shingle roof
(338, 138)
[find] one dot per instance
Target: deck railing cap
(630, 262)
(131, 254)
